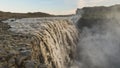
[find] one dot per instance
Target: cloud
(63, 12)
(80, 4)
(83, 3)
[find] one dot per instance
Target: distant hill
(6, 15)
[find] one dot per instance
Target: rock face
(46, 43)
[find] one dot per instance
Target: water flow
(53, 40)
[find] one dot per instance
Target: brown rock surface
(53, 46)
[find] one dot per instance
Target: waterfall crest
(53, 41)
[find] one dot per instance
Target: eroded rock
(46, 44)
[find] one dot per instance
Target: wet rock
(42, 66)
(25, 53)
(4, 66)
(30, 64)
(11, 62)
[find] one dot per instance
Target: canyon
(87, 39)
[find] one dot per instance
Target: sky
(57, 7)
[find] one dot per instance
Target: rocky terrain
(14, 49)
(42, 43)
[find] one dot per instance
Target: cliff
(97, 15)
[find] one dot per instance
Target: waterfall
(53, 40)
(57, 42)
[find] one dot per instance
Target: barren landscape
(90, 38)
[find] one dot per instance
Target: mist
(99, 45)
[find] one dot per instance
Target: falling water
(53, 40)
